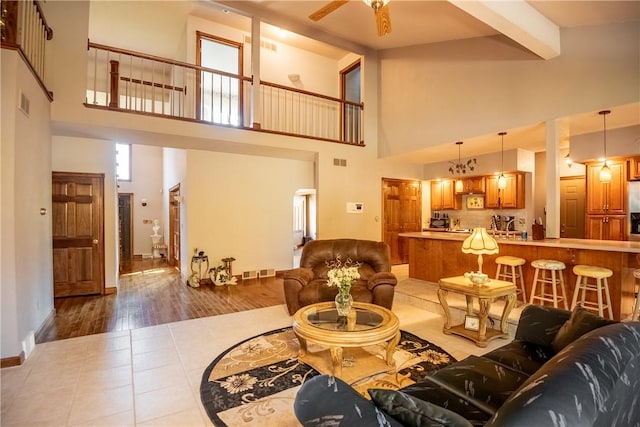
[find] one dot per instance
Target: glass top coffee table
(339, 341)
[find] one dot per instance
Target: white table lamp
(480, 243)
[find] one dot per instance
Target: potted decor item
(342, 275)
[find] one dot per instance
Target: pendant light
(502, 180)
(461, 168)
(605, 172)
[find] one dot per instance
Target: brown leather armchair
(308, 284)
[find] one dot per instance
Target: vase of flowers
(341, 275)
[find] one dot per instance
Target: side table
(485, 294)
(197, 262)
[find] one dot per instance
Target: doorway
(401, 213)
(125, 229)
(77, 216)
(174, 226)
(351, 88)
(304, 221)
(572, 207)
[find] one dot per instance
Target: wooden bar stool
(555, 268)
(601, 275)
(510, 273)
(636, 305)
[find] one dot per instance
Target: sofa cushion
(580, 322)
(539, 325)
(521, 356)
(434, 393)
(411, 411)
(594, 381)
(482, 381)
(325, 400)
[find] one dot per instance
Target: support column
(256, 98)
(552, 206)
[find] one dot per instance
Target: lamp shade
(480, 243)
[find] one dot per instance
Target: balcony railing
(23, 27)
(145, 84)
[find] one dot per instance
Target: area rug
(254, 383)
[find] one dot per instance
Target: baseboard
(45, 325)
(7, 362)
(111, 290)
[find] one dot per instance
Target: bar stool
(554, 267)
(601, 275)
(636, 305)
(510, 274)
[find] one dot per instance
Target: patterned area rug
(254, 383)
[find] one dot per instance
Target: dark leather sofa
(308, 284)
(563, 368)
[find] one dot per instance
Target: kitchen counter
(434, 255)
(601, 245)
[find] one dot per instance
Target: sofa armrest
(301, 275)
(326, 400)
(539, 325)
(381, 278)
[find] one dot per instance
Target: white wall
(26, 288)
(94, 156)
(445, 92)
(146, 183)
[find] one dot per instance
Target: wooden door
(572, 205)
(125, 228)
(78, 233)
(174, 226)
(402, 213)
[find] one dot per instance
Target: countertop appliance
(439, 221)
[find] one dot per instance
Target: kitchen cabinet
(607, 198)
(606, 227)
(472, 185)
(634, 169)
(511, 197)
(443, 195)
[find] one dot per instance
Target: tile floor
(151, 376)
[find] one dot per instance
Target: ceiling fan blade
(327, 9)
(383, 21)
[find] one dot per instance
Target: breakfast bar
(434, 255)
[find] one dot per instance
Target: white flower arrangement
(342, 274)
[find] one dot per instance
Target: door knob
(95, 241)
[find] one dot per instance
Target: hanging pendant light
(502, 180)
(459, 183)
(461, 168)
(605, 172)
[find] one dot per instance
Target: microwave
(439, 223)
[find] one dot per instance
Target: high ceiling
(421, 22)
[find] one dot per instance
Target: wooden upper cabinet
(443, 195)
(472, 185)
(511, 197)
(634, 169)
(607, 198)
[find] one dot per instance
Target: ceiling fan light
(376, 4)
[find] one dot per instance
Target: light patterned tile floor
(151, 376)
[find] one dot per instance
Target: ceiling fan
(380, 7)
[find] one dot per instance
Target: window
(123, 162)
(219, 96)
(351, 120)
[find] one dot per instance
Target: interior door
(174, 226)
(78, 233)
(572, 207)
(402, 213)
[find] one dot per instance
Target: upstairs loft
(214, 91)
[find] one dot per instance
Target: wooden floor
(151, 293)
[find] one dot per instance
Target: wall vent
(263, 44)
(24, 104)
(246, 275)
(267, 272)
(339, 162)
